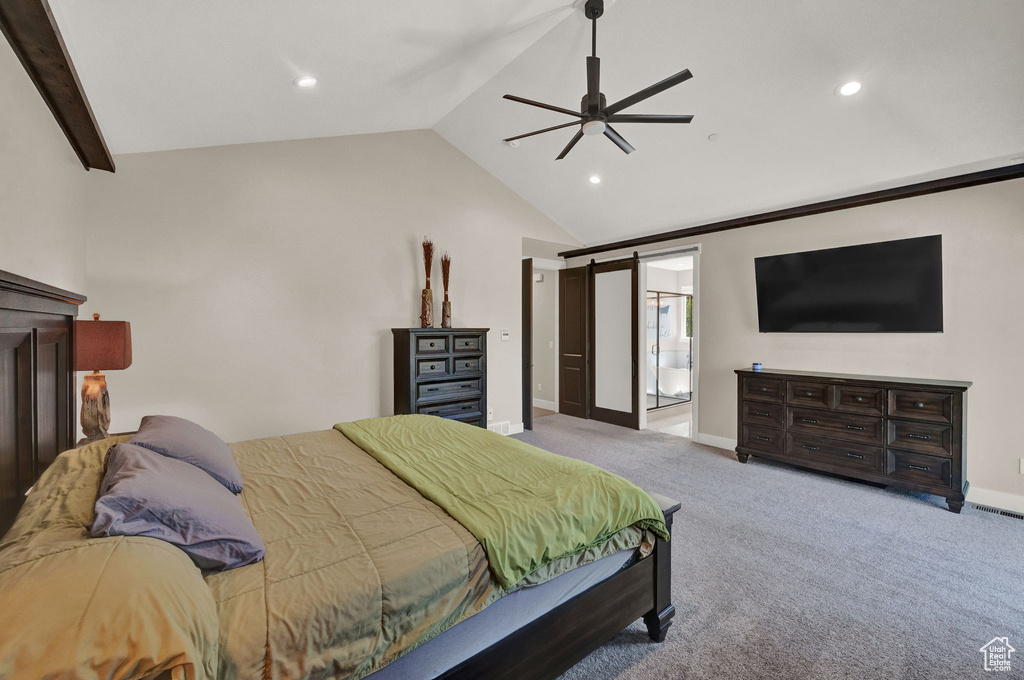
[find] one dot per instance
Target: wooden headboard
(37, 384)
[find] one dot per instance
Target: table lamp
(99, 346)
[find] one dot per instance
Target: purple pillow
(182, 439)
(146, 494)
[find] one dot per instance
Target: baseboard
(549, 405)
(996, 499)
(717, 442)
(516, 428)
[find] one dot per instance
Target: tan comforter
(359, 569)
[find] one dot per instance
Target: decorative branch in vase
(446, 306)
(427, 296)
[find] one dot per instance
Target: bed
(351, 550)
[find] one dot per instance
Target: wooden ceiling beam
(32, 31)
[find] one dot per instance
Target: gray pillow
(146, 494)
(182, 439)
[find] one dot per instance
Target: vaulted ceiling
(942, 91)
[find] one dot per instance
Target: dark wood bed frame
(37, 415)
(37, 384)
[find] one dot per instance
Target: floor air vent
(997, 511)
(504, 427)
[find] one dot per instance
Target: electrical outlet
(490, 413)
(539, 389)
(551, 344)
(504, 334)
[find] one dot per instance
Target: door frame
(621, 418)
(527, 342)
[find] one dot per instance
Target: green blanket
(527, 507)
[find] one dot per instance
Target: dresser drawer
(845, 454)
(922, 437)
(458, 408)
(763, 439)
(765, 415)
(864, 429)
(763, 389)
(432, 344)
(432, 368)
(452, 389)
(851, 399)
(807, 394)
(466, 365)
(467, 343)
(918, 467)
(920, 405)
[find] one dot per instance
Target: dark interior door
(573, 376)
(527, 343)
(614, 326)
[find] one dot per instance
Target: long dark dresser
(442, 372)
(904, 432)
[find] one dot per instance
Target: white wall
(262, 280)
(42, 182)
(983, 287)
(544, 304)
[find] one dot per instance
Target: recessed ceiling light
(305, 81)
(594, 179)
(847, 89)
(713, 137)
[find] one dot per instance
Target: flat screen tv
(889, 287)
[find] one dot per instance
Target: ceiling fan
(595, 114)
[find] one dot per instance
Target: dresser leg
(955, 503)
(742, 457)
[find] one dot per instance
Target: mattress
(360, 569)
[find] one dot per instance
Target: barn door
(573, 338)
(614, 347)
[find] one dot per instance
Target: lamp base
(95, 408)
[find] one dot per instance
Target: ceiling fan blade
(549, 107)
(645, 118)
(671, 81)
(537, 132)
(568, 147)
(593, 85)
(617, 138)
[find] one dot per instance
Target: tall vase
(446, 314)
(427, 308)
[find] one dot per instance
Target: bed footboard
(558, 640)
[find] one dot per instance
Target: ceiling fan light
(594, 127)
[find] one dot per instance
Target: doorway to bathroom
(670, 348)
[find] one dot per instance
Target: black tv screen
(890, 287)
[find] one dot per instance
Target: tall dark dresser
(442, 372)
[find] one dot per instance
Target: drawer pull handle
(764, 389)
(858, 399)
(919, 404)
(917, 436)
(466, 343)
(812, 421)
(465, 387)
(766, 414)
(431, 344)
(466, 408)
(468, 365)
(809, 447)
(855, 455)
(923, 468)
(763, 439)
(808, 394)
(854, 427)
(432, 367)
(433, 389)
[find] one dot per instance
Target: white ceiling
(171, 74)
(943, 91)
